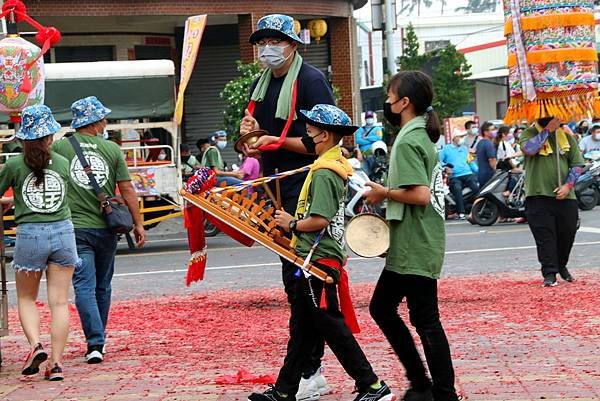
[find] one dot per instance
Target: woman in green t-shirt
(45, 235)
(417, 239)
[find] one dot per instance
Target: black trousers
(456, 186)
(288, 271)
(421, 298)
(553, 224)
(310, 324)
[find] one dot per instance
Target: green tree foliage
(236, 94)
(410, 58)
(452, 90)
(449, 73)
(479, 6)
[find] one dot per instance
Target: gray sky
(364, 14)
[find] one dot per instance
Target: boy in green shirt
(318, 228)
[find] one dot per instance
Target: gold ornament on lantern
(317, 28)
(297, 27)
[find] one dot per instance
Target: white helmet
(379, 145)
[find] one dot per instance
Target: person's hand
(562, 192)
(248, 123)
(140, 235)
(264, 140)
(376, 194)
(283, 219)
(239, 174)
(553, 125)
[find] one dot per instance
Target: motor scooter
(491, 203)
(355, 203)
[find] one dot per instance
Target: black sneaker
(414, 395)
(54, 374)
(94, 354)
(270, 395)
(34, 360)
(565, 275)
(381, 394)
(550, 280)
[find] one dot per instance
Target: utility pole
(383, 14)
(390, 27)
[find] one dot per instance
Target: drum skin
(368, 235)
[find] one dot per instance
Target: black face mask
(309, 143)
(390, 116)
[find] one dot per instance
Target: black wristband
(292, 226)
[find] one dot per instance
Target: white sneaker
(320, 381)
(307, 390)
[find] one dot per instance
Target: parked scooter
(355, 203)
(587, 187)
(450, 202)
(491, 203)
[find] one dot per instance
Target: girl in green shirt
(417, 239)
(45, 235)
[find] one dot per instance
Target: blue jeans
(457, 184)
(39, 244)
(228, 180)
(92, 280)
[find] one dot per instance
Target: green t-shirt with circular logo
(109, 167)
(44, 203)
(417, 233)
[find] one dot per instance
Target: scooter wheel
(588, 199)
(485, 213)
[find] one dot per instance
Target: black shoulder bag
(505, 163)
(117, 215)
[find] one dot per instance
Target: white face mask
(370, 121)
(461, 141)
(162, 156)
(272, 56)
(221, 144)
(596, 137)
(474, 131)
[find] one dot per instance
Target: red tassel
(196, 268)
(323, 302)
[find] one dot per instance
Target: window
(152, 52)
(431, 45)
(70, 54)
(500, 109)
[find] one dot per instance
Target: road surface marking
(592, 230)
(230, 267)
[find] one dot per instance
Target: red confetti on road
(510, 338)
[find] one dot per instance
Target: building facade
(101, 30)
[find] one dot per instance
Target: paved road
(159, 268)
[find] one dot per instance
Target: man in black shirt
(288, 82)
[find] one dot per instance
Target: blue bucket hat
(87, 111)
(329, 117)
(37, 122)
(277, 26)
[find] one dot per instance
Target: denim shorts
(41, 243)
